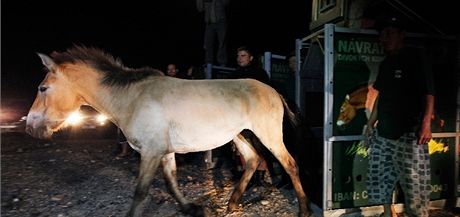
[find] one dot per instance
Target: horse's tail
(293, 119)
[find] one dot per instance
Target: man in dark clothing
(399, 125)
(248, 68)
(215, 19)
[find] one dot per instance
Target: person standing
(248, 68)
(215, 19)
(399, 126)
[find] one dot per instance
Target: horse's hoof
(233, 210)
(232, 207)
(193, 210)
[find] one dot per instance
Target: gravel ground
(83, 177)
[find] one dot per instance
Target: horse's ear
(47, 61)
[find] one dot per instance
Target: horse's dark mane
(114, 73)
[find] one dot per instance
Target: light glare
(101, 119)
(75, 118)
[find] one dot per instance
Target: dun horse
(161, 116)
(361, 98)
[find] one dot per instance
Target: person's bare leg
(393, 211)
(125, 149)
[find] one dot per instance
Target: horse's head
(347, 112)
(55, 101)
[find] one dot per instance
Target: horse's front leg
(148, 167)
(169, 170)
(251, 159)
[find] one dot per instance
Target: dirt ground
(82, 177)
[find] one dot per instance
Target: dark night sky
(149, 33)
(141, 33)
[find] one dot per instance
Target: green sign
(350, 161)
(357, 57)
(282, 78)
(349, 175)
(356, 61)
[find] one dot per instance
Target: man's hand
(424, 135)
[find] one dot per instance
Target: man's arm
(372, 118)
(424, 134)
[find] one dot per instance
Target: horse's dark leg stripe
(147, 170)
(252, 160)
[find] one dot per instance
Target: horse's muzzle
(41, 132)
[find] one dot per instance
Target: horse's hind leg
(291, 168)
(148, 166)
(169, 171)
(251, 159)
(274, 142)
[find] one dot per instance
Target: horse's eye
(42, 88)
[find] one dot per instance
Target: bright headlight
(74, 119)
(101, 119)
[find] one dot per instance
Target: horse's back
(231, 99)
(218, 91)
(204, 114)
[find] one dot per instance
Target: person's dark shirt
(253, 72)
(402, 82)
(182, 75)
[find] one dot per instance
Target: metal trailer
(324, 70)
